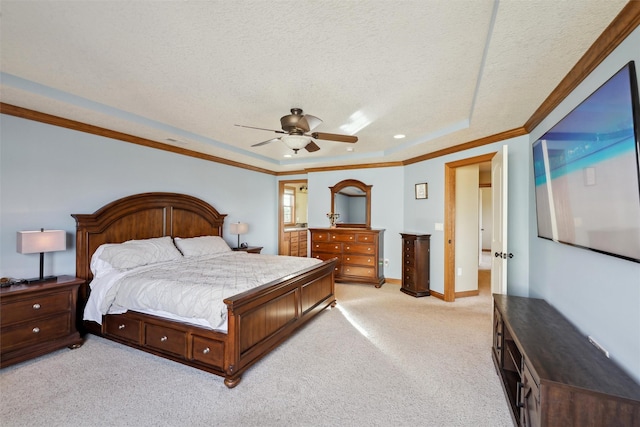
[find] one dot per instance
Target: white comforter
(190, 289)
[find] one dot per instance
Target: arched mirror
(351, 199)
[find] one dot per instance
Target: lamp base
(40, 279)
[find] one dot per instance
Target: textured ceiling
(442, 72)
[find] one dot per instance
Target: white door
(499, 252)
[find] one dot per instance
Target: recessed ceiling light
(287, 155)
(349, 148)
(399, 136)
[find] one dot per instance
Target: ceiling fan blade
(266, 142)
(311, 147)
(334, 137)
(253, 127)
(309, 122)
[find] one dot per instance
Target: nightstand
(38, 318)
(250, 249)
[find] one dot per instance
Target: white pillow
(136, 253)
(200, 246)
(100, 267)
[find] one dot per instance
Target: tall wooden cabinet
(415, 264)
(359, 251)
(294, 243)
(552, 375)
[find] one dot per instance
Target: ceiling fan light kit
(295, 127)
(295, 142)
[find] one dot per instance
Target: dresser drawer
(166, 339)
(351, 270)
(320, 237)
(35, 307)
(208, 351)
(340, 237)
(360, 260)
(327, 247)
(35, 331)
(357, 248)
(365, 238)
(123, 327)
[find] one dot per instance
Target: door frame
(281, 185)
(450, 220)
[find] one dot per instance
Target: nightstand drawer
(35, 331)
(34, 307)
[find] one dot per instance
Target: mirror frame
(362, 186)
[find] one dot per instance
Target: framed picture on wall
(422, 191)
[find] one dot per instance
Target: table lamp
(239, 228)
(31, 242)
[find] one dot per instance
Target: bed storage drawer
(166, 339)
(208, 351)
(123, 327)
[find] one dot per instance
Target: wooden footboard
(261, 319)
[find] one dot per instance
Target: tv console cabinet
(551, 374)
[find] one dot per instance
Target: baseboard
(463, 294)
(393, 281)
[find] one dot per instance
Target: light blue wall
(48, 173)
(598, 293)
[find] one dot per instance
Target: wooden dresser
(359, 251)
(552, 375)
(415, 264)
(38, 318)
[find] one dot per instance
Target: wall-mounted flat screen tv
(587, 173)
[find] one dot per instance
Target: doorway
(462, 230)
(292, 215)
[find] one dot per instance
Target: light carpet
(382, 358)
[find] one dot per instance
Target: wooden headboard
(143, 216)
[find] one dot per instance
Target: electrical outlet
(439, 226)
(386, 262)
(459, 271)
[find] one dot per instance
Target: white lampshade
(239, 228)
(31, 242)
(295, 142)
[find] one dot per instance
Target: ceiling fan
(295, 129)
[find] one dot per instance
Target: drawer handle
(206, 350)
(348, 247)
(348, 259)
(36, 306)
(337, 247)
(164, 338)
(35, 330)
(369, 260)
(368, 249)
(121, 327)
(350, 237)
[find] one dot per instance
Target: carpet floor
(379, 358)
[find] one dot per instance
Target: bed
(257, 320)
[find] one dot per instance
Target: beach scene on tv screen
(586, 174)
